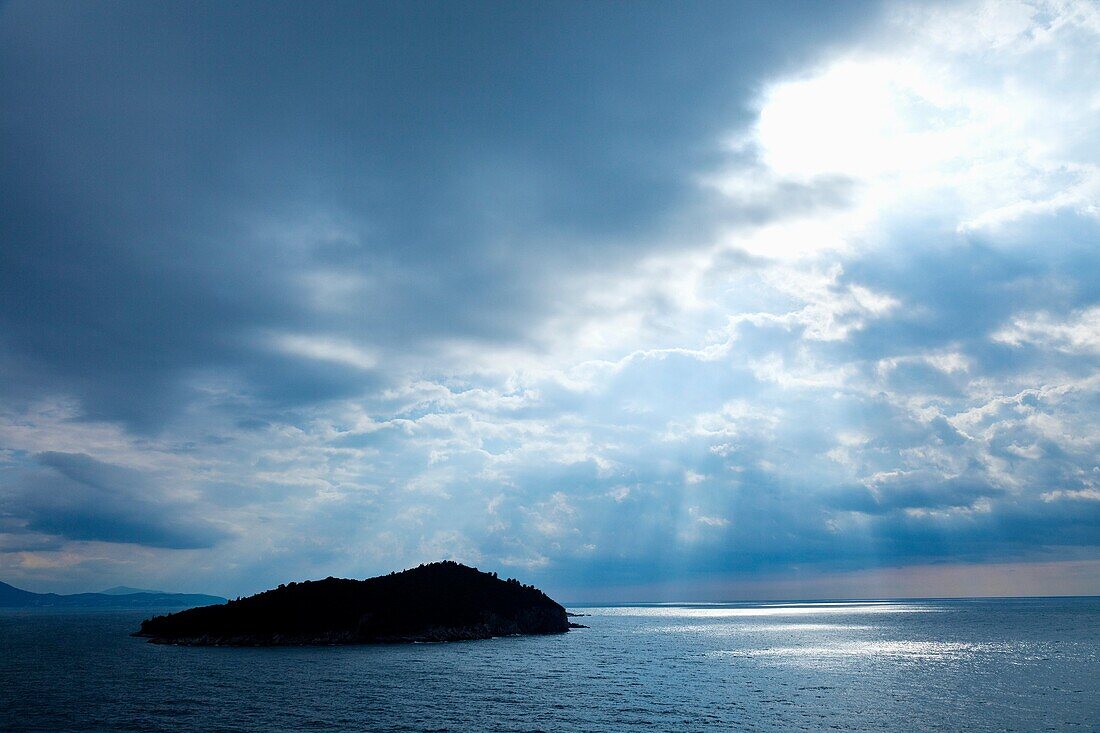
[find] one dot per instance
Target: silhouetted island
(442, 601)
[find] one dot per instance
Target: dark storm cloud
(170, 171)
(75, 497)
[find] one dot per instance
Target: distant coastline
(119, 597)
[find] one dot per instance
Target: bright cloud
(971, 130)
(1079, 333)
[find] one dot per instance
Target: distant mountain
(125, 590)
(442, 601)
(12, 597)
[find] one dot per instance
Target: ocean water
(982, 665)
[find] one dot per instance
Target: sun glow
(936, 125)
(862, 118)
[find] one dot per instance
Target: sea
(921, 665)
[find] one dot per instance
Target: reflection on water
(713, 610)
(921, 650)
(1011, 665)
(730, 629)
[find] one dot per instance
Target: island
(443, 601)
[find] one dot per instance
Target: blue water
(1006, 665)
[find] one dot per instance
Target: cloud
(1079, 333)
(321, 348)
(934, 128)
(929, 491)
(254, 200)
(75, 497)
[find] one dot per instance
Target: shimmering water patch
(765, 610)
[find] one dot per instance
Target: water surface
(986, 665)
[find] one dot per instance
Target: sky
(632, 301)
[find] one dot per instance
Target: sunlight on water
(806, 628)
(915, 650)
(807, 635)
(729, 629)
(786, 609)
